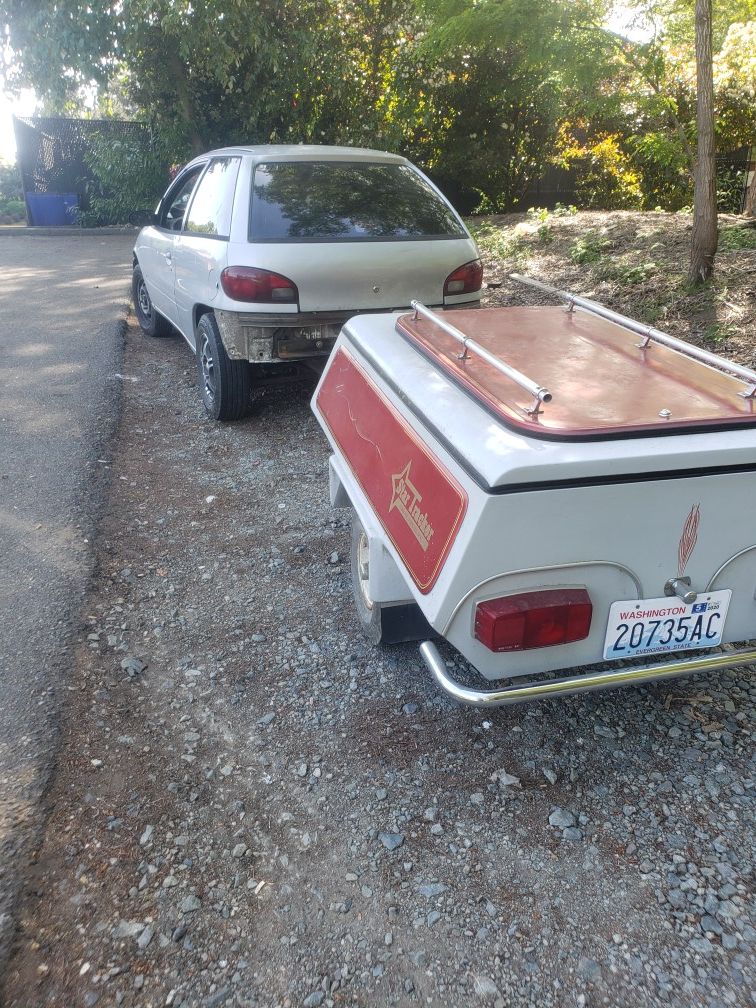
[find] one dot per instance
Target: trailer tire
(381, 623)
(368, 611)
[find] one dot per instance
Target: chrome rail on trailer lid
(539, 393)
(648, 333)
(567, 685)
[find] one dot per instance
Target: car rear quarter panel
(199, 262)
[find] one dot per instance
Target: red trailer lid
(602, 383)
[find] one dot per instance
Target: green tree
(506, 73)
(661, 131)
(219, 71)
(483, 93)
(59, 48)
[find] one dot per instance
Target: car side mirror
(142, 218)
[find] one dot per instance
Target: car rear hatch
(356, 235)
(368, 276)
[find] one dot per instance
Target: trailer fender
(387, 585)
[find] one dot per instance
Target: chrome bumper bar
(567, 685)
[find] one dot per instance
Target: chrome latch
(680, 587)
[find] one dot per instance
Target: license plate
(653, 626)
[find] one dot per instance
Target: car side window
(210, 212)
(177, 200)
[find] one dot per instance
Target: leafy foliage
(510, 69)
(484, 94)
(10, 182)
(607, 178)
(735, 86)
(128, 177)
(663, 168)
(12, 206)
(588, 248)
(734, 238)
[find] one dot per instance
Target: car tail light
(534, 619)
(465, 279)
(243, 283)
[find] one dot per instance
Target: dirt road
(255, 807)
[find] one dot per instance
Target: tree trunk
(750, 202)
(704, 240)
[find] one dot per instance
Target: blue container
(52, 209)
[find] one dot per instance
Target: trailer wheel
(381, 624)
(368, 611)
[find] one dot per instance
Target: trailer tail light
(244, 283)
(467, 279)
(534, 619)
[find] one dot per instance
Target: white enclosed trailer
(547, 492)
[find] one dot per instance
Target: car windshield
(346, 201)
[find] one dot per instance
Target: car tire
(382, 624)
(225, 385)
(149, 319)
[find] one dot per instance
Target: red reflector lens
(243, 283)
(534, 619)
(466, 279)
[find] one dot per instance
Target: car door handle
(167, 256)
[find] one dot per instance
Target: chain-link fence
(733, 172)
(52, 159)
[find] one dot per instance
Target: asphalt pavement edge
(18, 851)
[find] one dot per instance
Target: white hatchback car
(257, 255)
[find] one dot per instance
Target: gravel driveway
(254, 807)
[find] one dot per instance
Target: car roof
(305, 152)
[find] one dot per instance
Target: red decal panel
(419, 504)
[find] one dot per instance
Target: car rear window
(346, 201)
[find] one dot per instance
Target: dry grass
(635, 263)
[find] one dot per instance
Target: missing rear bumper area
(294, 337)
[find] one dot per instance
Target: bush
(732, 239)
(127, 177)
(606, 179)
(588, 249)
(663, 169)
(730, 185)
(10, 183)
(12, 211)
(12, 206)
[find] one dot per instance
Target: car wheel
(225, 385)
(150, 320)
